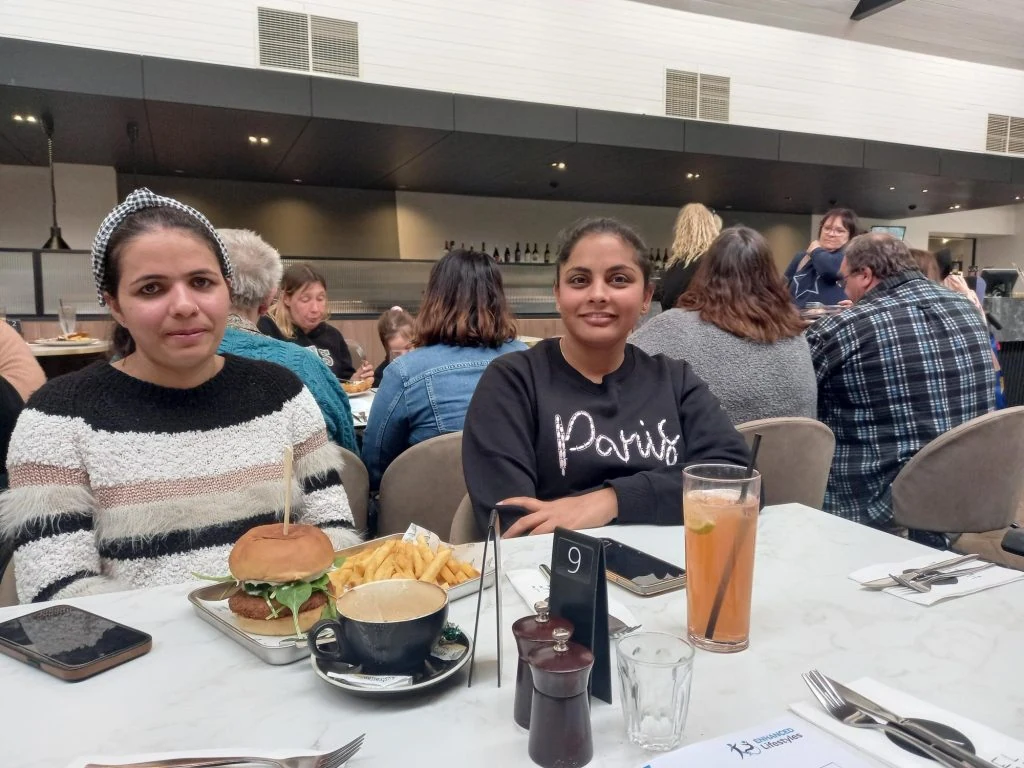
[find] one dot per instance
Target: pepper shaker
(532, 632)
(560, 733)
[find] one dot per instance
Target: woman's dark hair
(846, 217)
(295, 278)
(569, 237)
(464, 304)
(737, 288)
(135, 225)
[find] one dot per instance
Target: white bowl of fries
(416, 554)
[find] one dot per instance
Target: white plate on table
(67, 342)
(364, 393)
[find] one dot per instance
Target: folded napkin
(967, 585)
(274, 754)
(531, 585)
(990, 744)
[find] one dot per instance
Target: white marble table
(198, 689)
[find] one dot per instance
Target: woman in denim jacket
(463, 324)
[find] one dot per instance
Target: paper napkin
(967, 585)
(990, 744)
(531, 585)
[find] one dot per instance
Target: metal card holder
(493, 533)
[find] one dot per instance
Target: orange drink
(720, 506)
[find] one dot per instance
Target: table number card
(579, 593)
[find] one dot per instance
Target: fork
(334, 759)
(924, 583)
(617, 628)
(846, 713)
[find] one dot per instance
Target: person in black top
(696, 228)
(299, 315)
(587, 429)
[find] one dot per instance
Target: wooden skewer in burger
(281, 570)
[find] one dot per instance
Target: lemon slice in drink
(700, 525)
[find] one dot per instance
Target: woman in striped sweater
(143, 471)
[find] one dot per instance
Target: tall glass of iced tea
(720, 505)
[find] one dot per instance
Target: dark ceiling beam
(867, 8)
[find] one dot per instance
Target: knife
(888, 581)
(876, 710)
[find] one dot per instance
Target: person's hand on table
(365, 372)
(591, 510)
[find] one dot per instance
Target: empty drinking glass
(68, 318)
(655, 670)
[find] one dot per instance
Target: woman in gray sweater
(738, 328)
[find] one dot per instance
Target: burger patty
(253, 607)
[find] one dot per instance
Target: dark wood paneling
(211, 85)
(620, 129)
(820, 150)
(368, 103)
(500, 117)
(731, 140)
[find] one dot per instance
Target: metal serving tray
(211, 604)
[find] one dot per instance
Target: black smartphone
(1013, 541)
(69, 643)
(639, 572)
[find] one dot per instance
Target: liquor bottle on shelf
(496, 255)
(508, 256)
(519, 254)
(447, 247)
(547, 253)
(483, 247)
(535, 256)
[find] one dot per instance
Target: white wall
(85, 194)
(604, 54)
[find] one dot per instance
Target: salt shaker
(532, 632)
(560, 734)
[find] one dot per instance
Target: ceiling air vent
(283, 39)
(680, 93)
(714, 98)
(997, 134)
(693, 95)
(335, 46)
(1015, 144)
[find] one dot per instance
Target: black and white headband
(135, 202)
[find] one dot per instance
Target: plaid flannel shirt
(908, 362)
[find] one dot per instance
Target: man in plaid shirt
(909, 361)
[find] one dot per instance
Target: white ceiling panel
(986, 31)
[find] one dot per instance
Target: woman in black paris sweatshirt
(587, 429)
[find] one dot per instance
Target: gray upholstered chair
(424, 485)
(356, 480)
(464, 526)
(967, 481)
(794, 459)
(8, 595)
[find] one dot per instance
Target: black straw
(737, 545)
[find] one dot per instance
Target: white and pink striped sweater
(117, 483)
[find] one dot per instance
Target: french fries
(395, 559)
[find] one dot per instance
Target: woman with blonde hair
(300, 315)
(696, 228)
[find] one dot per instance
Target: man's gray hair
(257, 266)
(884, 254)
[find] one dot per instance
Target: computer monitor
(999, 282)
(897, 232)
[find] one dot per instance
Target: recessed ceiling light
(297, 181)
(264, 140)
(24, 118)
(253, 140)
(558, 166)
(957, 206)
(18, 118)
(178, 170)
(259, 140)
(1017, 197)
(693, 175)
(31, 118)
(892, 189)
(924, 190)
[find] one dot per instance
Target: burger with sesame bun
(282, 579)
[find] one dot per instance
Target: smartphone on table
(639, 572)
(69, 643)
